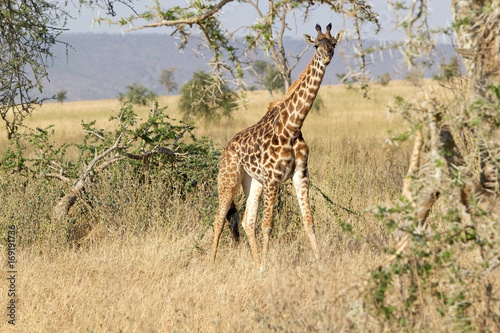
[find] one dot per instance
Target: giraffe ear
(339, 36)
(309, 39)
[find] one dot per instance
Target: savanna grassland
(137, 258)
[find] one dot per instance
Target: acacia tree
(61, 96)
(268, 76)
(450, 203)
(205, 96)
(203, 19)
(167, 79)
(28, 30)
(137, 94)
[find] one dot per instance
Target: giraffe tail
(233, 218)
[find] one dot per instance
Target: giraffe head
(324, 43)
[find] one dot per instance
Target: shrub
(414, 77)
(384, 79)
(159, 149)
(206, 96)
(137, 94)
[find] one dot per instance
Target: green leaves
(495, 90)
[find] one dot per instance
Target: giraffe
(265, 155)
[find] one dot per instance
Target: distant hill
(99, 66)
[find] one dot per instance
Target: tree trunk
(62, 208)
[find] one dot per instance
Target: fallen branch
(63, 206)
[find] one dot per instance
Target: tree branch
(63, 206)
(99, 157)
(58, 176)
(158, 150)
(189, 21)
(95, 134)
(413, 167)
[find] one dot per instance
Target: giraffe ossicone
(262, 157)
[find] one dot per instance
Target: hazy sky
(237, 14)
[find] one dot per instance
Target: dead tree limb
(159, 150)
(414, 165)
(63, 206)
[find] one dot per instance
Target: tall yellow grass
(144, 267)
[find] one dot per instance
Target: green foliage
(206, 96)
(159, 144)
(137, 94)
(496, 91)
(437, 269)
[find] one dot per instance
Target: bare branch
(158, 150)
(95, 134)
(297, 58)
(66, 202)
(414, 165)
(99, 157)
(109, 161)
(58, 176)
(186, 128)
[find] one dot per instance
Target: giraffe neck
(300, 97)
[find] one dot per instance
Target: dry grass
(158, 283)
(143, 266)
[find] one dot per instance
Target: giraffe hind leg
(230, 177)
(253, 192)
(220, 219)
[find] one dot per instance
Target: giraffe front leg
(270, 192)
(301, 184)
